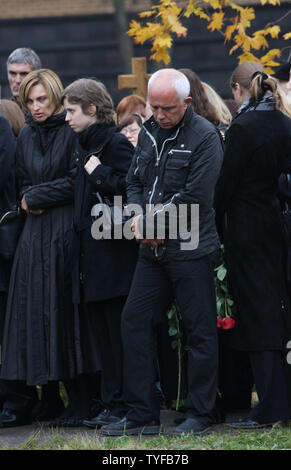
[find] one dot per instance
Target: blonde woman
(40, 344)
(257, 151)
(222, 111)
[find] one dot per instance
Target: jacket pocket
(176, 170)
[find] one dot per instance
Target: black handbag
(11, 226)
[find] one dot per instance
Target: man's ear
(187, 101)
(91, 110)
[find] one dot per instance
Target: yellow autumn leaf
(263, 2)
(246, 15)
(271, 63)
(201, 13)
(176, 26)
(236, 7)
(217, 21)
(247, 57)
(146, 14)
(161, 55)
(216, 4)
(148, 32)
(134, 28)
(261, 32)
(271, 55)
(267, 59)
(274, 2)
(190, 8)
(238, 40)
(287, 36)
(171, 9)
(274, 31)
(162, 40)
(259, 41)
(234, 48)
(268, 70)
(229, 30)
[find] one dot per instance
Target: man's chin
(165, 126)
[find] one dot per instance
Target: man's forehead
(19, 67)
(165, 96)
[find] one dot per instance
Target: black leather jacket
(185, 172)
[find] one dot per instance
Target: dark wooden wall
(87, 46)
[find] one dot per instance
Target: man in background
(19, 63)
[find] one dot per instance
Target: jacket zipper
(158, 158)
(157, 164)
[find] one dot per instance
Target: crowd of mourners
(84, 324)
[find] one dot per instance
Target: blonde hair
(51, 83)
(263, 82)
(223, 112)
(13, 114)
(243, 73)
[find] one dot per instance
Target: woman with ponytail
(257, 151)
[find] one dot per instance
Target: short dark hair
(130, 119)
(87, 91)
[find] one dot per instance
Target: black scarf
(95, 137)
(44, 132)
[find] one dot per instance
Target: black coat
(7, 186)
(41, 332)
(104, 268)
(258, 145)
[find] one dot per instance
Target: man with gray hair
(175, 166)
(19, 63)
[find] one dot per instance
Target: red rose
(228, 323)
(219, 322)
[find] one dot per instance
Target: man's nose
(160, 113)
(18, 78)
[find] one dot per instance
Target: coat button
(98, 181)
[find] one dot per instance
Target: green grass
(276, 438)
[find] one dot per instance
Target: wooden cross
(138, 80)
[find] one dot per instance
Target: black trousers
(107, 326)
(272, 376)
(153, 284)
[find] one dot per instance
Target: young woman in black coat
(41, 336)
(257, 150)
(104, 268)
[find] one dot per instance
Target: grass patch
(276, 438)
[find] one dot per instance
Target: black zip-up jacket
(184, 172)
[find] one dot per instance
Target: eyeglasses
(130, 130)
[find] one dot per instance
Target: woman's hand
(91, 164)
(25, 207)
